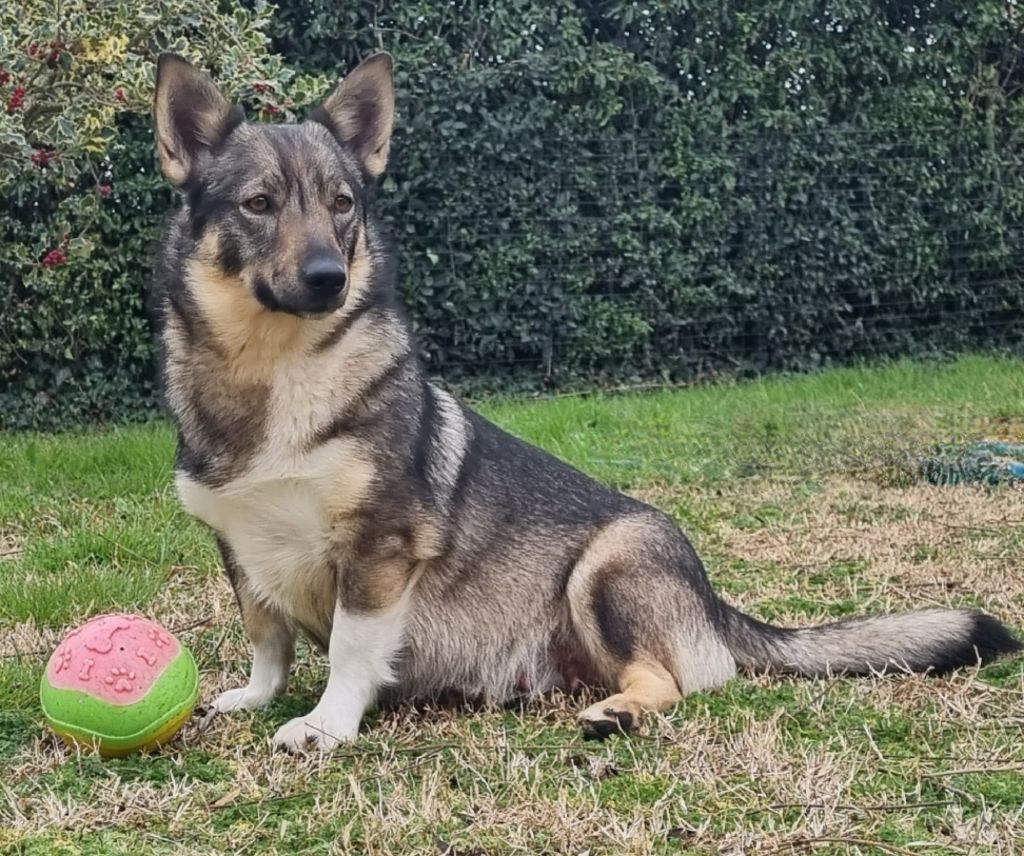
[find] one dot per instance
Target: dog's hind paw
(602, 720)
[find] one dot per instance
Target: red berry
(273, 109)
(104, 190)
(54, 258)
(41, 157)
(16, 99)
(5, 76)
(33, 49)
(120, 96)
(261, 87)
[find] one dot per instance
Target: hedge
(591, 192)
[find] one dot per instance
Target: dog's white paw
(312, 732)
(243, 698)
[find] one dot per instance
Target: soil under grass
(805, 497)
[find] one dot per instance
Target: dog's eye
(342, 203)
(258, 204)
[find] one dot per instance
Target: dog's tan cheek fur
(251, 337)
(226, 302)
(239, 324)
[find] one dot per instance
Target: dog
(424, 549)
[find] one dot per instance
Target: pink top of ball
(115, 658)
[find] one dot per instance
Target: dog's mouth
(314, 310)
(300, 302)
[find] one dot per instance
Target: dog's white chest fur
(277, 529)
(280, 517)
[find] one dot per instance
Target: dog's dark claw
(205, 715)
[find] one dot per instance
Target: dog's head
(278, 210)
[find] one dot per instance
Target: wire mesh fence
(632, 260)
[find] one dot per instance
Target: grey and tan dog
(422, 547)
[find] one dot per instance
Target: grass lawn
(805, 499)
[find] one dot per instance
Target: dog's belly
(480, 649)
(475, 671)
(279, 533)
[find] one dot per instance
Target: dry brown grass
(904, 764)
(917, 545)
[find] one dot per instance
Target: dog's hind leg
(646, 619)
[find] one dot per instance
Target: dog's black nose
(324, 275)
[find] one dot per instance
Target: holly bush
(82, 200)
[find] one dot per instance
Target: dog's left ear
(361, 112)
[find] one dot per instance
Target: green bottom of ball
(84, 721)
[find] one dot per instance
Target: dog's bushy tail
(935, 640)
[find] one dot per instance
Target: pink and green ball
(119, 684)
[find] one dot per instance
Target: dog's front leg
(272, 639)
(273, 645)
(362, 648)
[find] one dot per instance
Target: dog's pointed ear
(190, 114)
(361, 112)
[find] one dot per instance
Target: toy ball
(119, 684)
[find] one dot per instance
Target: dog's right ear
(190, 114)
